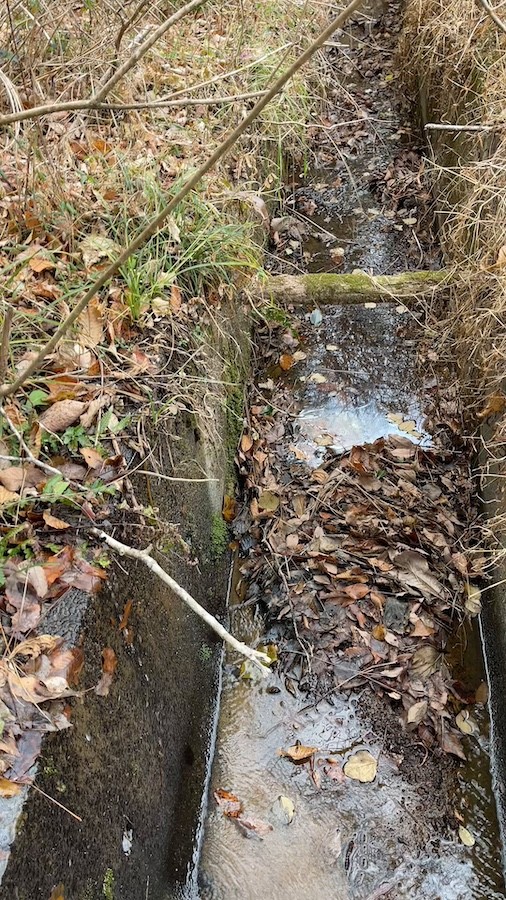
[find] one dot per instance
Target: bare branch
(98, 97)
(4, 347)
(259, 659)
(493, 15)
(192, 182)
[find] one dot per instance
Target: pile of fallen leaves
(38, 672)
(364, 566)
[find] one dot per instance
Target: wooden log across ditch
(358, 287)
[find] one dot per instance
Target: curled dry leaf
(298, 753)
(284, 809)
(53, 522)
(8, 497)
(362, 767)
(9, 788)
(91, 324)
(61, 414)
(473, 600)
(465, 722)
(466, 837)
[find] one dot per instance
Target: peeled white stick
(256, 656)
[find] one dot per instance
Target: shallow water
(347, 841)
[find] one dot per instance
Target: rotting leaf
(481, 694)
(286, 361)
(425, 661)
(465, 722)
(268, 501)
(451, 743)
(61, 414)
(257, 826)
(284, 809)
(362, 766)
(417, 713)
(229, 804)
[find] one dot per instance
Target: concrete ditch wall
(133, 764)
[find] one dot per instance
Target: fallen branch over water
(356, 288)
(255, 656)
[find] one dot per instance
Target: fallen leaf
(481, 694)
(229, 804)
(53, 522)
(465, 722)
(415, 572)
(246, 443)
(95, 247)
(298, 753)
(284, 809)
(417, 712)
(466, 837)
(58, 893)
(286, 361)
(451, 743)
(472, 602)
(109, 664)
(229, 510)
(357, 591)
(8, 497)
(268, 501)
(92, 457)
(91, 324)
(176, 298)
(61, 414)
(41, 263)
(425, 661)
(258, 826)
(9, 788)
(317, 378)
(494, 405)
(126, 615)
(362, 767)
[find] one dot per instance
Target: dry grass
(458, 55)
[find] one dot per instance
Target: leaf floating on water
(229, 804)
(473, 600)
(268, 501)
(466, 837)
(465, 722)
(257, 826)
(284, 809)
(298, 753)
(451, 744)
(362, 767)
(316, 317)
(109, 663)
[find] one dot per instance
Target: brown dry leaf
(229, 804)
(110, 661)
(229, 510)
(36, 577)
(15, 477)
(176, 298)
(91, 324)
(481, 693)
(425, 661)
(8, 788)
(58, 893)
(246, 443)
(451, 743)
(415, 572)
(298, 753)
(92, 457)
(361, 767)
(33, 647)
(356, 591)
(87, 419)
(8, 497)
(53, 522)
(96, 247)
(40, 264)
(494, 405)
(472, 602)
(126, 615)
(501, 257)
(286, 361)
(62, 414)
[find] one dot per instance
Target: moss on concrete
(357, 287)
(219, 536)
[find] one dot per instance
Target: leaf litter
(369, 566)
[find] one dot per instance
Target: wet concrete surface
(347, 841)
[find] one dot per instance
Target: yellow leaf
(268, 501)
(8, 788)
(7, 497)
(466, 837)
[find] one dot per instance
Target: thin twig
(256, 656)
(192, 182)
(441, 126)
(57, 803)
(493, 15)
